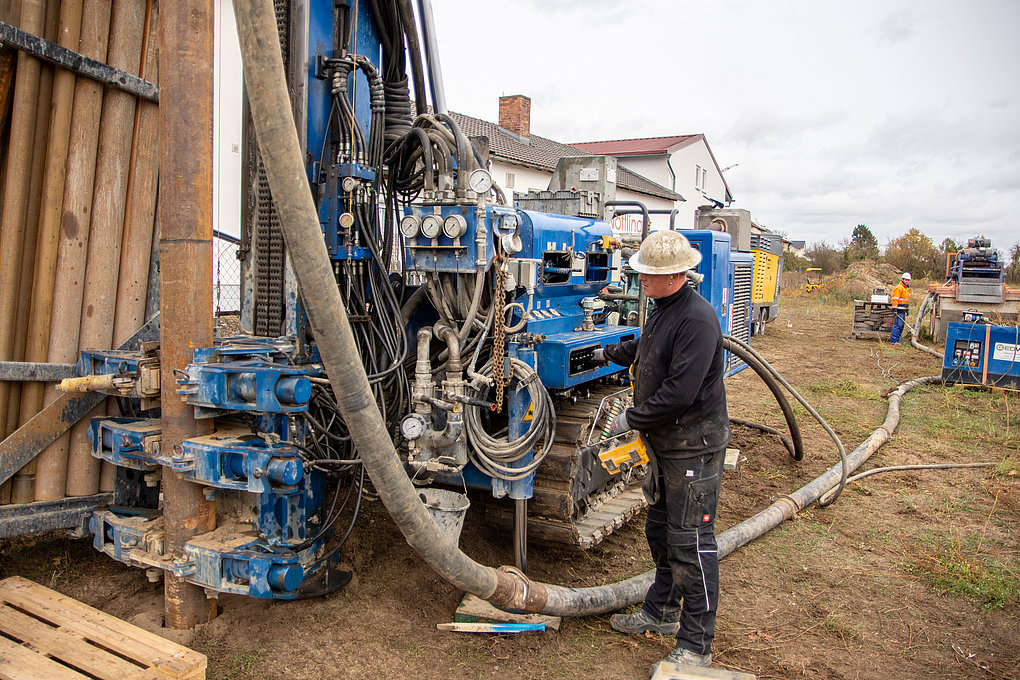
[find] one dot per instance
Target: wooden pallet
(44, 634)
(872, 320)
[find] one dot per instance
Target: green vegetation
(914, 251)
(952, 566)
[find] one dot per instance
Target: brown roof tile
(543, 154)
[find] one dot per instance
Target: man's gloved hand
(599, 354)
(619, 424)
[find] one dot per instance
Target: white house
(682, 163)
(523, 162)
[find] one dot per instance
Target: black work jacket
(679, 398)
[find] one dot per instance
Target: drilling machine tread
(556, 513)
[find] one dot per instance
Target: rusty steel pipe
(140, 211)
(113, 160)
(37, 341)
(24, 489)
(185, 245)
(16, 203)
(75, 219)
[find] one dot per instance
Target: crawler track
(576, 500)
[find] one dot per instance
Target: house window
(510, 180)
(697, 176)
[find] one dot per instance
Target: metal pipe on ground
(16, 193)
(185, 184)
(38, 338)
(506, 588)
(69, 274)
(113, 160)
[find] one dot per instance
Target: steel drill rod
(113, 160)
(37, 345)
(185, 186)
(140, 213)
(69, 274)
(12, 238)
(23, 490)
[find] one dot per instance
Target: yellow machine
(814, 278)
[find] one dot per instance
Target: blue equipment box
(982, 354)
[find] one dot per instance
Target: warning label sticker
(1006, 352)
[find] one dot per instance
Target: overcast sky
(891, 113)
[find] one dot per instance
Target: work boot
(683, 657)
(640, 622)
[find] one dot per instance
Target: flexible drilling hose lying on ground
(505, 588)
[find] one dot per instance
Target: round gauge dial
(412, 427)
(480, 181)
(431, 226)
(409, 226)
(454, 226)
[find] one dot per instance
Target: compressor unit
(982, 354)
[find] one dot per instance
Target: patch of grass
(1008, 467)
(843, 388)
(838, 625)
(244, 664)
(950, 567)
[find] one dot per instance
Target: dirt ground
(908, 575)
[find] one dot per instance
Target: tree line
(914, 252)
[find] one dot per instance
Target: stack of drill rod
(80, 164)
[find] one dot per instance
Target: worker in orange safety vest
(900, 301)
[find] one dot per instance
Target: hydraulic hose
(506, 588)
(763, 372)
(803, 402)
(766, 429)
(278, 141)
(921, 310)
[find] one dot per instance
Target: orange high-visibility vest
(900, 296)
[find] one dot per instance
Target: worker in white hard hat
(900, 300)
(680, 412)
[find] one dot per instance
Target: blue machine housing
(981, 354)
(573, 266)
(717, 285)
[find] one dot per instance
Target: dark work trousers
(681, 535)
(897, 326)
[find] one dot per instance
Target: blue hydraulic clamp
(126, 442)
(221, 388)
(229, 559)
(134, 375)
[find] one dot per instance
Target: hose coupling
(515, 592)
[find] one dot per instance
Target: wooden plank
(491, 627)
(110, 632)
(63, 645)
(21, 663)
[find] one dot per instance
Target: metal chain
(499, 328)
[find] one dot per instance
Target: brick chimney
(515, 114)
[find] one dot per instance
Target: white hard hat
(906, 276)
(665, 252)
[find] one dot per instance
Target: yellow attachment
(88, 383)
(624, 457)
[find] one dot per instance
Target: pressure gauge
(454, 226)
(412, 427)
(480, 181)
(346, 220)
(409, 226)
(431, 226)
